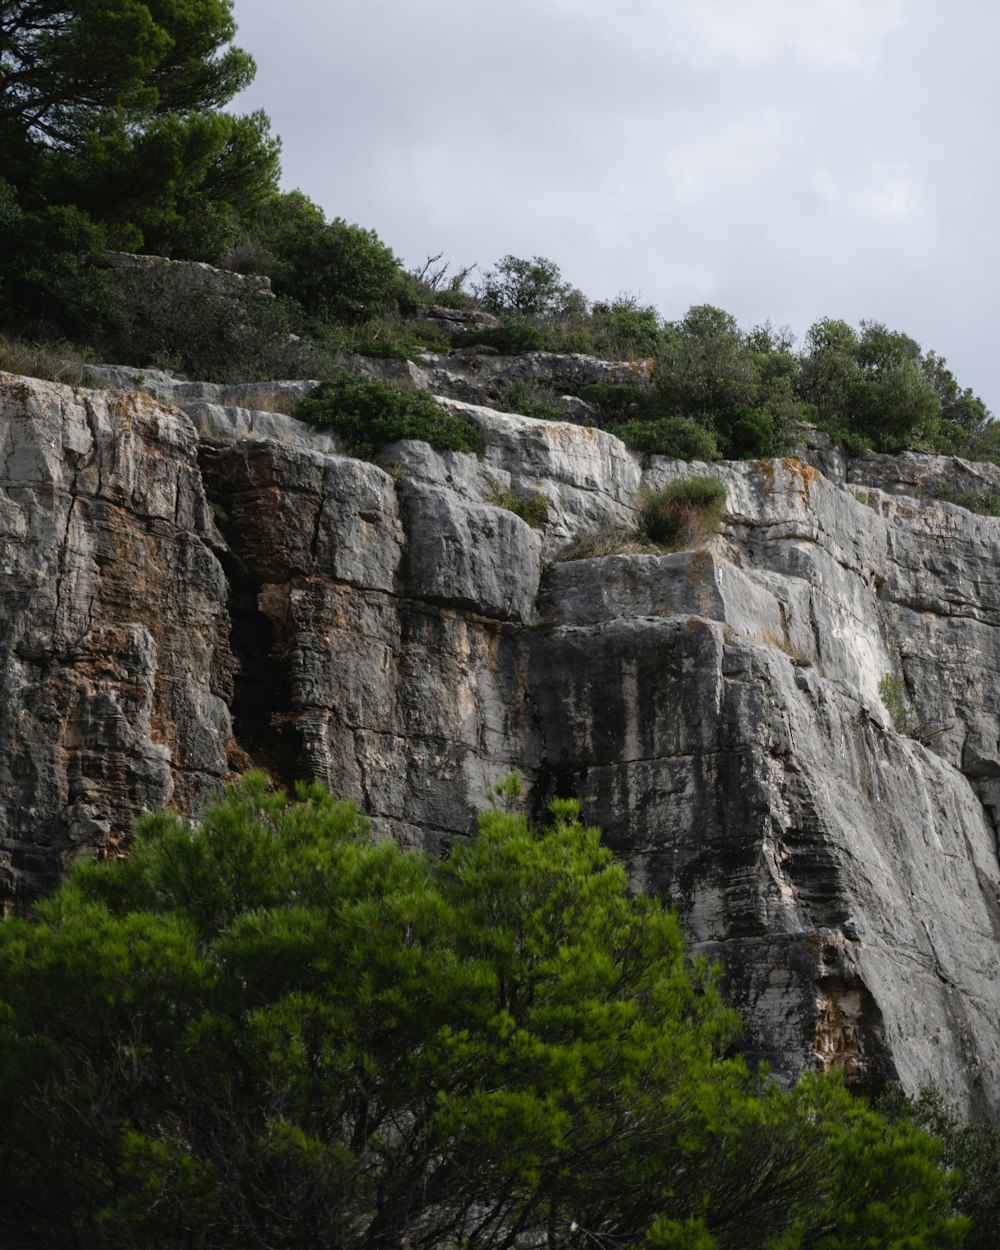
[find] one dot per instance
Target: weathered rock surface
(186, 593)
(114, 647)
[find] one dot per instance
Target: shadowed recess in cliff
(850, 1035)
(264, 729)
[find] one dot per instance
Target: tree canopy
(114, 106)
(272, 1030)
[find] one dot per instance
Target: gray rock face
(114, 652)
(187, 593)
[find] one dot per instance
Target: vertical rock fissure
(263, 726)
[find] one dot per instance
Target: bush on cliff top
(370, 414)
(272, 1030)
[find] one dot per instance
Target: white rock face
(188, 592)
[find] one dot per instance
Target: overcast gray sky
(783, 159)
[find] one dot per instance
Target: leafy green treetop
(114, 106)
(272, 1030)
(528, 289)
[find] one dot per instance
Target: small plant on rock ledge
(904, 716)
(532, 508)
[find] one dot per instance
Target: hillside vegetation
(114, 136)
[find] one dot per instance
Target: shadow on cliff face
(850, 1035)
(264, 729)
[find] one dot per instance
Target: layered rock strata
(193, 587)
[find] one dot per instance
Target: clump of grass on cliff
(54, 361)
(609, 540)
(532, 507)
(685, 513)
(369, 414)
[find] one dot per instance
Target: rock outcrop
(193, 583)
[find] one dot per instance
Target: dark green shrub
(178, 317)
(678, 437)
(529, 399)
(683, 514)
(370, 414)
(749, 434)
(981, 502)
(334, 270)
(705, 367)
(44, 288)
(511, 338)
(528, 288)
(623, 330)
(618, 401)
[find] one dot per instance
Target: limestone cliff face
(192, 583)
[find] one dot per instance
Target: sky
(786, 160)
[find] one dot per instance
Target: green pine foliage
(116, 109)
(971, 1148)
(272, 1030)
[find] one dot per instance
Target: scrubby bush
(626, 330)
(176, 316)
(45, 289)
(619, 401)
(677, 437)
(54, 360)
(683, 514)
(981, 502)
(529, 399)
(369, 414)
(528, 289)
(750, 434)
(875, 389)
(510, 338)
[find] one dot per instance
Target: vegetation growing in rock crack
(272, 1030)
(684, 514)
(369, 414)
(904, 716)
(532, 507)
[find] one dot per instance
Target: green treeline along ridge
(114, 135)
(274, 1030)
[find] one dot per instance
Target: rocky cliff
(193, 583)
